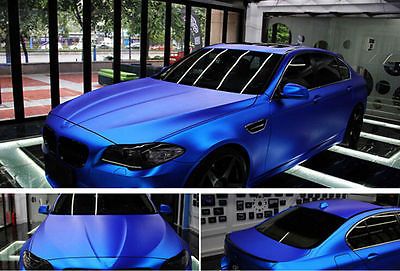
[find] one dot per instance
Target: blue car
(228, 115)
(332, 235)
(104, 231)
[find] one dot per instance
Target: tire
(224, 167)
(353, 129)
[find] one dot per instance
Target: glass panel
(130, 49)
(177, 32)
(197, 28)
(156, 32)
(35, 57)
(70, 49)
(217, 18)
(233, 27)
(102, 41)
(6, 88)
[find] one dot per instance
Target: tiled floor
(37, 92)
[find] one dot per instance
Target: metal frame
(16, 66)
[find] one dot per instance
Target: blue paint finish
(200, 121)
(105, 242)
(248, 249)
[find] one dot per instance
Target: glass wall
(177, 32)
(370, 46)
(34, 46)
(6, 88)
(156, 33)
(35, 57)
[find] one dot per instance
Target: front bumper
(96, 173)
(123, 263)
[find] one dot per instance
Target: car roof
(344, 208)
(274, 48)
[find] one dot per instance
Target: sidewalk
(37, 100)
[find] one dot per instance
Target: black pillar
(87, 41)
(186, 46)
(208, 27)
(144, 38)
(53, 53)
(15, 52)
(225, 26)
(167, 41)
(117, 41)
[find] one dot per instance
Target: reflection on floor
(375, 163)
(12, 239)
(211, 263)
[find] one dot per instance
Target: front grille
(49, 139)
(72, 152)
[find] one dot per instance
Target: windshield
(103, 204)
(237, 71)
(301, 227)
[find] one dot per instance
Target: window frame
(274, 93)
(396, 215)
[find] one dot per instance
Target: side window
(298, 72)
(375, 230)
(326, 69)
(343, 70)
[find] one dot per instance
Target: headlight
(178, 262)
(33, 262)
(141, 156)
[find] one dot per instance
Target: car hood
(147, 109)
(258, 245)
(71, 236)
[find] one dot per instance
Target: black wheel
(353, 129)
(223, 168)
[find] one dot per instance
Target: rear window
(103, 204)
(301, 227)
(237, 71)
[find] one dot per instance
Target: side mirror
(163, 69)
(165, 209)
(44, 209)
(294, 91)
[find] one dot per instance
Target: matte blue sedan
(333, 234)
(104, 231)
(228, 115)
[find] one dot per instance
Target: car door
(331, 94)
(376, 240)
(292, 120)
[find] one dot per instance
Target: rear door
(331, 94)
(376, 240)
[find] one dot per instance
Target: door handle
(348, 89)
(372, 256)
(317, 98)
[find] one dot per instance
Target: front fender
(200, 141)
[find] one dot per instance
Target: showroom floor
(11, 240)
(376, 162)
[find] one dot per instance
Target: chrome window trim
(396, 215)
(311, 89)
